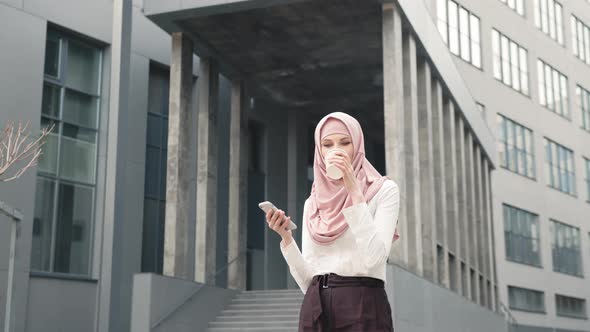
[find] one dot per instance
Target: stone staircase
(268, 310)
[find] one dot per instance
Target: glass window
(155, 171)
(516, 147)
(497, 56)
(453, 27)
(587, 166)
(560, 167)
(552, 89)
(516, 5)
(566, 249)
(510, 62)
(83, 67)
(526, 299)
(73, 229)
(460, 30)
(464, 31)
(580, 39)
(570, 306)
(441, 7)
(521, 235)
(52, 55)
(64, 204)
(43, 224)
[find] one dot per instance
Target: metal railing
(16, 217)
(505, 311)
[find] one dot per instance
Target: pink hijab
(328, 198)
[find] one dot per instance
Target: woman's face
(339, 141)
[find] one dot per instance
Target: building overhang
(315, 55)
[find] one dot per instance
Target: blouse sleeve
(298, 265)
(374, 234)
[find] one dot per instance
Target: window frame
(506, 69)
(531, 218)
(553, 82)
(64, 39)
(522, 154)
(564, 157)
(562, 232)
(512, 305)
(448, 30)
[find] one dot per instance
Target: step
(297, 300)
(251, 324)
(255, 329)
(268, 296)
(239, 318)
(265, 306)
(259, 312)
(274, 291)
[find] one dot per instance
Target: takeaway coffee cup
(333, 171)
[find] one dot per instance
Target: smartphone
(266, 206)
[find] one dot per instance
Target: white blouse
(363, 248)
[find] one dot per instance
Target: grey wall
(168, 304)
(60, 305)
(24, 26)
(419, 306)
(21, 77)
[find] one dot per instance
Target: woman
(348, 228)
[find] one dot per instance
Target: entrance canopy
(317, 54)
(312, 54)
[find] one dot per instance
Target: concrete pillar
(490, 252)
(440, 197)
(452, 189)
(426, 154)
(115, 279)
(472, 213)
(238, 188)
(393, 116)
(294, 180)
(479, 209)
(412, 157)
(179, 229)
(206, 232)
(462, 200)
(472, 235)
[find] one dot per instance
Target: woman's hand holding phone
(277, 221)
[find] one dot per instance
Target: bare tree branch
(20, 146)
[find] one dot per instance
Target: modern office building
(527, 64)
(175, 118)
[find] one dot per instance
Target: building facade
(146, 193)
(527, 65)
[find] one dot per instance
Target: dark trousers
(337, 303)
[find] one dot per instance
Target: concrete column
(206, 232)
(294, 180)
(427, 191)
(479, 209)
(485, 243)
(462, 200)
(238, 188)
(472, 235)
(440, 197)
(490, 252)
(412, 159)
(393, 116)
(115, 276)
(451, 186)
(179, 229)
